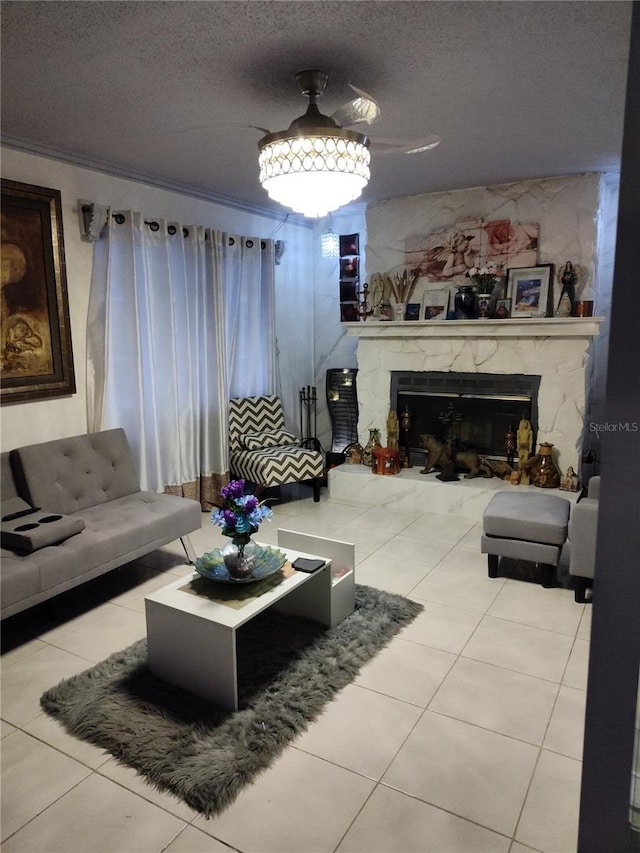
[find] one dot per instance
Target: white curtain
(165, 303)
(246, 269)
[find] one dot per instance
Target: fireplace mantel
(521, 327)
(556, 349)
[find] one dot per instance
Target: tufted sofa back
(71, 474)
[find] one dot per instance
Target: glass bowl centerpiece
(239, 517)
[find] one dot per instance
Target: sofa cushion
(71, 474)
(265, 440)
(114, 533)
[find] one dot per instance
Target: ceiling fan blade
(263, 130)
(362, 108)
(405, 146)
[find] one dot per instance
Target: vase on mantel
(484, 306)
(466, 303)
(399, 310)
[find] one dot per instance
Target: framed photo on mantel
(528, 290)
(435, 305)
(35, 346)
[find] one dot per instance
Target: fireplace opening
(475, 411)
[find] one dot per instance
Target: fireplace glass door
(472, 411)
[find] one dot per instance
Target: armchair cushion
(265, 440)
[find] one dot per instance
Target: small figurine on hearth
(525, 446)
(569, 483)
(354, 453)
(393, 431)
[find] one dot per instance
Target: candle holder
(510, 446)
(405, 422)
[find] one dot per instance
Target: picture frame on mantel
(435, 305)
(36, 355)
(528, 288)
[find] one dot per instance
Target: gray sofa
(91, 516)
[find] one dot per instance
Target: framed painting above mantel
(36, 356)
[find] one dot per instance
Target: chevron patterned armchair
(263, 451)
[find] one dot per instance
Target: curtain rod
(87, 211)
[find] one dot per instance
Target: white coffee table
(192, 624)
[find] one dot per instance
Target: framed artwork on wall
(35, 344)
(528, 290)
(445, 256)
(349, 245)
(349, 267)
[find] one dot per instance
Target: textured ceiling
(164, 90)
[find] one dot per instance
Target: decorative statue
(354, 453)
(569, 483)
(440, 456)
(568, 277)
(376, 288)
(525, 446)
(393, 431)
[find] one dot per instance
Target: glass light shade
(330, 245)
(315, 173)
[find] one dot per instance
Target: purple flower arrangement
(240, 515)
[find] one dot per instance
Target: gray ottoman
(526, 526)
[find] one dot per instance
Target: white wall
(565, 209)
(576, 215)
(25, 423)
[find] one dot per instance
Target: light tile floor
(463, 735)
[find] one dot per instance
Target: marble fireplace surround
(556, 349)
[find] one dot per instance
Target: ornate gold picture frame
(36, 356)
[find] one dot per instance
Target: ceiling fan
(362, 108)
(318, 163)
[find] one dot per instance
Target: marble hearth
(413, 492)
(556, 349)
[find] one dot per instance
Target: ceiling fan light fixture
(316, 173)
(315, 166)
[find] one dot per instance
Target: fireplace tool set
(308, 400)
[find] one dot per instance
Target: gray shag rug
(289, 669)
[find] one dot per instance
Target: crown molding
(28, 147)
